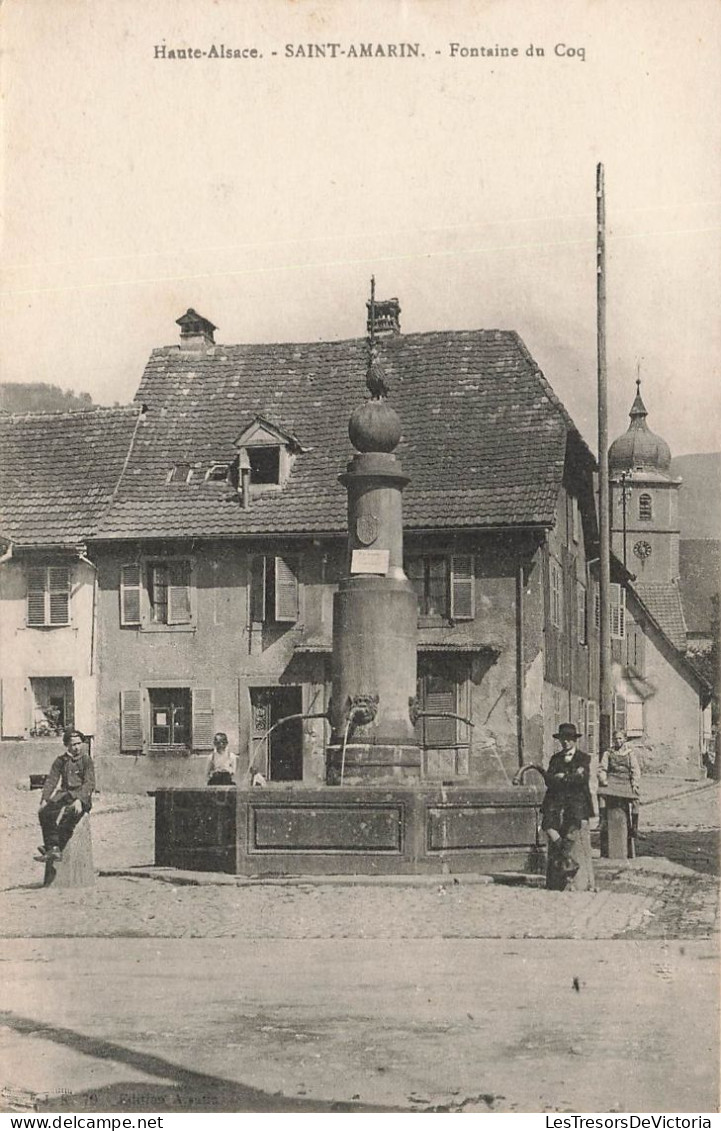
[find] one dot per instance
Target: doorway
(284, 747)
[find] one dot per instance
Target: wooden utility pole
(605, 674)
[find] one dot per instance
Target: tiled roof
(58, 471)
(700, 568)
(484, 436)
(663, 601)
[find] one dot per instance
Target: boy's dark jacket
(75, 775)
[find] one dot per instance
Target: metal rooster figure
(375, 377)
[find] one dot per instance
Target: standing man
(567, 808)
(60, 812)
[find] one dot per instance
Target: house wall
(220, 651)
(570, 669)
(673, 717)
(60, 651)
(223, 652)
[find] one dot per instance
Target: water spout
(518, 778)
(286, 718)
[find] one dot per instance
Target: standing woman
(619, 775)
(567, 808)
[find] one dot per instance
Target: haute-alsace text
(215, 51)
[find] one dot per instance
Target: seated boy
(59, 814)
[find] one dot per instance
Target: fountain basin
(382, 830)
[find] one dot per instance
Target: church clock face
(642, 550)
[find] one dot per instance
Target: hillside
(37, 396)
(700, 495)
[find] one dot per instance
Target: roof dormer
(266, 455)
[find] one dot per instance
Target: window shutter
(84, 697)
(131, 719)
(634, 717)
(581, 612)
(36, 577)
(556, 595)
(179, 593)
(576, 520)
(59, 590)
(462, 587)
(203, 719)
(130, 594)
(591, 727)
(440, 732)
(14, 708)
(286, 590)
(256, 574)
(619, 712)
(596, 607)
(618, 612)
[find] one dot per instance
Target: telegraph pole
(605, 675)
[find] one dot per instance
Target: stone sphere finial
(374, 427)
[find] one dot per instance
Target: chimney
(196, 332)
(387, 318)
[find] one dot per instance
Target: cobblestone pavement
(671, 891)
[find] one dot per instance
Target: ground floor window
(442, 693)
(166, 718)
(169, 716)
(52, 705)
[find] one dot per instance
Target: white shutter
(59, 594)
(619, 713)
(179, 610)
(130, 578)
(256, 581)
(634, 717)
(84, 695)
(462, 587)
(618, 612)
(14, 708)
(36, 579)
(131, 719)
(591, 727)
(203, 719)
(581, 612)
(286, 590)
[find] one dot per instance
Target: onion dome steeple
(639, 448)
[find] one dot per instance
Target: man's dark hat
(567, 730)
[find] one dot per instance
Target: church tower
(644, 500)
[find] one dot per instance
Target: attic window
(264, 464)
(180, 473)
(217, 473)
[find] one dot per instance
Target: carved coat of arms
(366, 528)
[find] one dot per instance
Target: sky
(264, 192)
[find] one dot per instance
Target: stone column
(375, 616)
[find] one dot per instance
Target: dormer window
(264, 465)
(179, 473)
(265, 456)
(217, 473)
